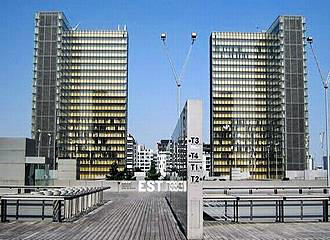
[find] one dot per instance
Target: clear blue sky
(152, 94)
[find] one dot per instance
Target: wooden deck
(147, 216)
(127, 216)
(267, 231)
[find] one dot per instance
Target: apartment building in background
(259, 101)
(80, 95)
(165, 152)
(206, 159)
(131, 152)
(144, 157)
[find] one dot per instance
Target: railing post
(65, 203)
(17, 209)
(80, 204)
(282, 210)
(57, 211)
(301, 210)
(325, 211)
(66, 209)
(234, 210)
(77, 205)
(73, 207)
(3, 210)
(43, 210)
(251, 210)
(226, 210)
(276, 210)
(70, 208)
(237, 200)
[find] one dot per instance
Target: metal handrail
(279, 200)
(73, 204)
(24, 187)
(275, 189)
(266, 187)
(30, 187)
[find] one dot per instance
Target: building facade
(80, 94)
(131, 153)
(165, 151)
(161, 164)
(258, 99)
(19, 164)
(143, 159)
(49, 27)
(206, 159)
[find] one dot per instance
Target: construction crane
(325, 83)
(178, 78)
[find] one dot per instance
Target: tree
(152, 174)
(137, 169)
(114, 174)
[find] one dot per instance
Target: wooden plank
(128, 216)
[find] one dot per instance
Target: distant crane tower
(178, 78)
(325, 83)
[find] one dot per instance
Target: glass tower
(251, 114)
(91, 69)
(49, 27)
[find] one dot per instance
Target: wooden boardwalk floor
(147, 216)
(127, 216)
(266, 231)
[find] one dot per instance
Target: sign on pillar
(194, 171)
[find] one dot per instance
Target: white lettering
(141, 186)
(150, 186)
(158, 186)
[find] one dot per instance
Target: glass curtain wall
(246, 120)
(93, 119)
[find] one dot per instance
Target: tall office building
(80, 94)
(45, 100)
(258, 99)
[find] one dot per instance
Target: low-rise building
(131, 151)
(162, 159)
(206, 159)
(143, 159)
(165, 151)
(19, 163)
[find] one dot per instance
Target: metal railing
(26, 189)
(267, 189)
(276, 203)
(62, 203)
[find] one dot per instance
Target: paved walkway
(128, 216)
